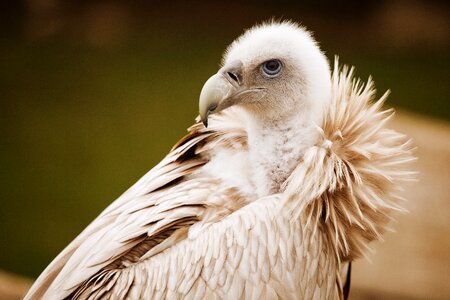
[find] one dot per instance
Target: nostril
(232, 76)
(232, 71)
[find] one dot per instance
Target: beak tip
(214, 91)
(204, 120)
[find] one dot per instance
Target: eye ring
(271, 68)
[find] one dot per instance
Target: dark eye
(271, 67)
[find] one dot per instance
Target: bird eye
(271, 68)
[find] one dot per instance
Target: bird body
(295, 174)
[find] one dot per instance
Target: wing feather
(218, 263)
(150, 217)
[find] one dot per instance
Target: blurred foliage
(80, 121)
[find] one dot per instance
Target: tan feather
(360, 164)
(179, 233)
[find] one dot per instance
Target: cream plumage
(271, 200)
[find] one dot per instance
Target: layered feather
(151, 216)
(182, 232)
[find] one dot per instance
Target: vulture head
(275, 72)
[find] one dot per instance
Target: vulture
(286, 177)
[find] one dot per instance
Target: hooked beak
(220, 90)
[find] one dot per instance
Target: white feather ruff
(348, 184)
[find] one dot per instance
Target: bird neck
(276, 147)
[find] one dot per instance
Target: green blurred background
(94, 93)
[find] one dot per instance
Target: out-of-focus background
(94, 93)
